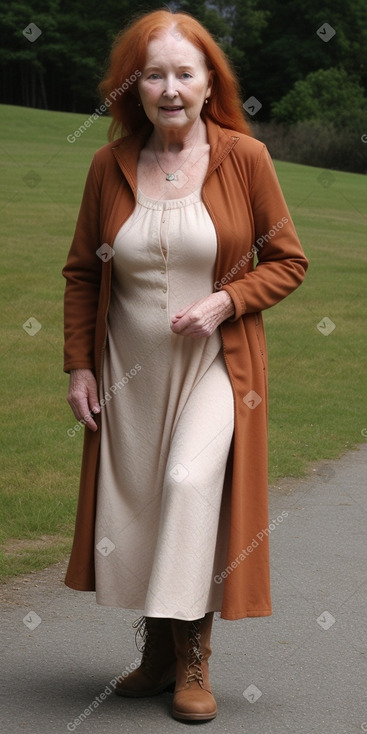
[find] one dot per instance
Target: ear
(210, 83)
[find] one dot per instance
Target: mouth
(170, 108)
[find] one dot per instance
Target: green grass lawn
(317, 381)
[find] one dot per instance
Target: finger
(195, 331)
(185, 309)
(176, 327)
(180, 314)
(182, 311)
(183, 326)
(93, 397)
(90, 422)
(82, 411)
(189, 323)
(94, 407)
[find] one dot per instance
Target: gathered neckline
(181, 201)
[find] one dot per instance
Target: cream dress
(162, 516)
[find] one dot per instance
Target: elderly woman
(183, 238)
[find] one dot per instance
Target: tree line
(300, 60)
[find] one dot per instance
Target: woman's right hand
(83, 396)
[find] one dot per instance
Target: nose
(170, 87)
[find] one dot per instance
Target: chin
(173, 123)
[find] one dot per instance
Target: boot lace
(141, 634)
(195, 656)
(145, 642)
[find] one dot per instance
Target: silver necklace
(172, 176)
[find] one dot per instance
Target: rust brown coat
(243, 197)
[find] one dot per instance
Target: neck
(174, 141)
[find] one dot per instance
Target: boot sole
(167, 687)
(193, 716)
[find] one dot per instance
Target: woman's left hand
(202, 317)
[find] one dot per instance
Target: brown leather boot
(193, 699)
(157, 670)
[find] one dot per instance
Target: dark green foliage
(315, 143)
(289, 48)
(62, 68)
(321, 122)
(294, 72)
(329, 95)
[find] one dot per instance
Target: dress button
(163, 272)
(164, 290)
(163, 305)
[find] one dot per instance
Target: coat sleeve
(281, 263)
(83, 277)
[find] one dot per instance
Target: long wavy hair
(127, 60)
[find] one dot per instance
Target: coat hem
(79, 587)
(246, 614)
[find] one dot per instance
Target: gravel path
(301, 671)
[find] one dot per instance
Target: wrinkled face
(174, 83)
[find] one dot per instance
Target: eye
(186, 75)
(154, 75)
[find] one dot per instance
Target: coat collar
(127, 150)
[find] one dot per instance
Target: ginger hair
(127, 60)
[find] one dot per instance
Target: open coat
(243, 197)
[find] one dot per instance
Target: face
(174, 83)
